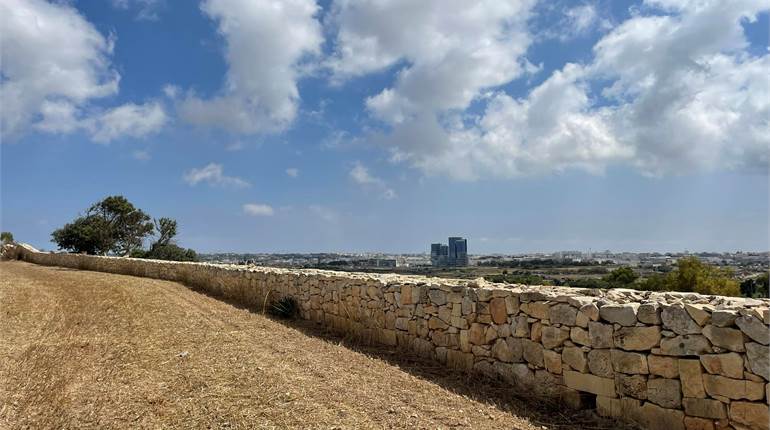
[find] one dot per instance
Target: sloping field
(85, 349)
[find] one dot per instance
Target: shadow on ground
(546, 412)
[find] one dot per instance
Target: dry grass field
(94, 350)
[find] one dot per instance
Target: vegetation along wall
(664, 360)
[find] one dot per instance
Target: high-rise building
(453, 254)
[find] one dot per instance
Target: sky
(385, 125)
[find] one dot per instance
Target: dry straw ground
(95, 350)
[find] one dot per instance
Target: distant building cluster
(453, 254)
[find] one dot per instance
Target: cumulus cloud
(146, 10)
(54, 64)
(292, 172)
(266, 42)
(360, 175)
(213, 174)
(258, 209)
(697, 100)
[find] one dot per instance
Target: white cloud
(127, 120)
(360, 175)
(266, 42)
(670, 90)
(257, 209)
(292, 172)
(325, 213)
(213, 174)
(146, 10)
(53, 63)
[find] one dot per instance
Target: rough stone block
(692, 344)
(754, 328)
(694, 423)
(730, 364)
(600, 363)
(623, 314)
(539, 310)
(692, 380)
(532, 352)
(656, 417)
(659, 365)
(753, 415)
(476, 334)
(601, 335)
(676, 319)
(552, 337)
(580, 336)
(649, 313)
(758, 359)
(629, 362)
(498, 310)
(723, 318)
(735, 389)
(728, 338)
(700, 313)
(704, 408)
(631, 385)
(637, 338)
(665, 392)
(552, 361)
(563, 314)
(590, 383)
(575, 358)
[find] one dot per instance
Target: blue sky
(295, 126)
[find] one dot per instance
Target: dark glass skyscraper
(454, 254)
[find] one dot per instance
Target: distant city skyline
(530, 126)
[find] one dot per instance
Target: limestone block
(512, 304)
(700, 313)
(623, 314)
(694, 423)
(753, 415)
(445, 313)
(600, 334)
(490, 334)
(552, 361)
(631, 385)
(580, 336)
(728, 338)
(465, 344)
(532, 352)
(723, 318)
(637, 338)
(758, 359)
(678, 320)
(459, 322)
(502, 351)
(459, 360)
(498, 310)
(590, 383)
(629, 362)
(468, 306)
(575, 358)
(735, 389)
(649, 313)
(552, 337)
(692, 344)
(437, 297)
(535, 332)
(521, 327)
(581, 320)
(659, 365)
(563, 314)
(626, 408)
(476, 334)
(539, 310)
(730, 364)
(692, 378)
(600, 363)
(656, 417)
(435, 323)
(665, 392)
(754, 328)
(591, 311)
(704, 408)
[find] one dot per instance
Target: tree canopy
(110, 226)
(6, 237)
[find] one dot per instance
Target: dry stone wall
(662, 360)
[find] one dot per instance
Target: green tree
(622, 277)
(6, 237)
(166, 228)
(755, 287)
(112, 225)
(693, 275)
(163, 248)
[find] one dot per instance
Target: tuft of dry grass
(95, 350)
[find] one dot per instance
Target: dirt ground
(93, 350)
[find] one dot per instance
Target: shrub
(286, 308)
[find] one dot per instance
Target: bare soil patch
(94, 350)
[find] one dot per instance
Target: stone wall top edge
(526, 292)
